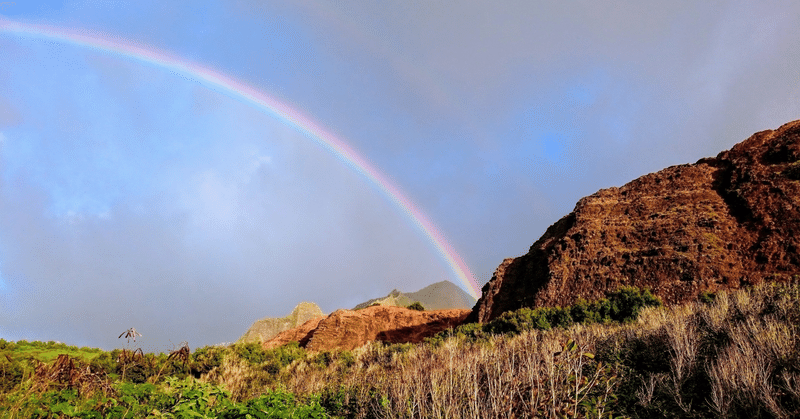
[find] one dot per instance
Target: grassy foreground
(729, 355)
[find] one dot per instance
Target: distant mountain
(265, 329)
(442, 295)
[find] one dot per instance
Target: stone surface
(350, 329)
(265, 329)
(722, 222)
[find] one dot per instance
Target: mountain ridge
(442, 295)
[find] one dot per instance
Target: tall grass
(727, 355)
(736, 355)
(537, 373)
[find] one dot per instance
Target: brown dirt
(720, 223)
(349, 329)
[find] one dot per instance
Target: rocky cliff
(722, 222)
(265, 329)
(349, 329)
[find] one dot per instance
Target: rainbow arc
(279, 110)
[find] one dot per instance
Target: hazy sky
(133, 196)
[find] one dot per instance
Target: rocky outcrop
(722, 222)
(393, 299)
(350, 329)
(442, 295)
(265, 329)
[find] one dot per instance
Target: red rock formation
(267, 328)
(348, 329)
(301, 334)
(720, 223)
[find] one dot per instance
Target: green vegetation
(129, 384)
(725, 355)
(46, 351)
(416, 306)
(622, 306)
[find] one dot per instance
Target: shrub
(346, 359)
(706, 297)
(622, 305)
(278, 358)
(7, 345)
(276, 404)
(11, 373)
(628, 301)
(540, 318)
(584, 312)
(416, 306)
(206, 359)
(470, 332)
(251, 352)
(103, 362)
(324, 358)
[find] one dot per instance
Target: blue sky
(132, 196)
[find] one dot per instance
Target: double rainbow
(281, 111)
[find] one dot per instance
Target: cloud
(133, 197)
(201, 264)
(186, 226)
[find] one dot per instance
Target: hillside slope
(443, 295)
(722, 222)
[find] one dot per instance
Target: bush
(541, 318)
(206, 359)
(7, 345)
(103, 362)
(416, 306)
(628, 301)
(470, 332)
(11, 373)
(706, 297)
(585, 312)
(276, 404)
(251, 352)
(622, 305)
(278, 358)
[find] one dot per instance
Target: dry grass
(67, 372)
(242, 379)
(737, 356)
(534, 374)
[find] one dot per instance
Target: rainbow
(282, 111)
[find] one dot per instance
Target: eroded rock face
(722, 222)
(265, 329)
(349, 329)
